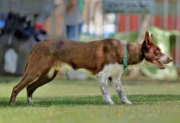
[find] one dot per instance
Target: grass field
(71, 101)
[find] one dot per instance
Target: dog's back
(89, 55)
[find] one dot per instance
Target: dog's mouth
(158, 64)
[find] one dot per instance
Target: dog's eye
(157, 51)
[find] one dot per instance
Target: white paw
(30, 100)
(110, 103)
(126, 102)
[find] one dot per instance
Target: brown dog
(103, 58)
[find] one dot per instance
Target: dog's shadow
(92, 100)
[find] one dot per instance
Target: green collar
(125, 58)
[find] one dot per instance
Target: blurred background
(23, 23)
(154, 92)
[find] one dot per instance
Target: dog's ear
(152, 38)
(147, 40)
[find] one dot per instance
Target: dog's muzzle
(165, 59)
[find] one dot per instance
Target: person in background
(74, 20)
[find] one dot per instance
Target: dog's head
(153, 54)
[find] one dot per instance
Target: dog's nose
(170, 59)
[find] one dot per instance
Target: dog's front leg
(103, 81)
(120, 90)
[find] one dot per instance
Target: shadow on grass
(92, 100)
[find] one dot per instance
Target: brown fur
(92, 56)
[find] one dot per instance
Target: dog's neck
(135, 54)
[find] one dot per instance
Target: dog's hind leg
(34, 69)
(46, 77)
(103, 81)
(24, 82)
(120, 90)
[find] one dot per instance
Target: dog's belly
(112, 70)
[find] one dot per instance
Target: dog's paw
(109, 102)
(30, 101)
(127, 102)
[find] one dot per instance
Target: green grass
(71, 101)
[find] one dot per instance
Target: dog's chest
(112, 70)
